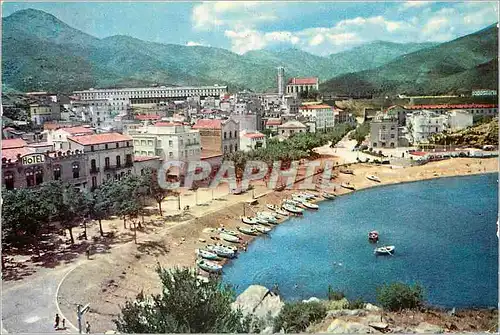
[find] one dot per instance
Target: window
(225, 148)
(137, 142)
(57, 172)
(91, 148)
(128, 159)
(128, 144)
(30, 178)
(143, 142)
(170, 154)
(9, 180)
(230, 148)
(225, 135)
(150, 142)
(118, 161)
(76, 170)
(235, 133)
(117, 145)
(106, 163)
(235, 147)
(106, 146)
(94, 182)
(159, 143)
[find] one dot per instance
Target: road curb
(57, 295)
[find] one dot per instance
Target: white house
(251, 140)
(322, 115)
(424, 123)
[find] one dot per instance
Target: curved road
(30, 306)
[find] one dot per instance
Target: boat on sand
(262, 229)
(310, 205)
(327, 195)
(208, 266)
(373, 178)
(221, 251)
(206, 254)
(248, 231)
(281, 212)
(348, 186)
(249, 220)
(229, 238)
(293, 209)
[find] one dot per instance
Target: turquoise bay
(444, 231)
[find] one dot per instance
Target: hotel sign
(33, 159)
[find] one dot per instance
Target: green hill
(461, 64)
(41, 52)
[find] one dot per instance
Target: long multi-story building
(167, 140)
(145, 95)
(474, 109)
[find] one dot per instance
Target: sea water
(444, 231)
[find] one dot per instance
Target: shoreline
(120, 275)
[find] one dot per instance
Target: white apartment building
(111, 155)
(150, 94)
(422, 124)
(59, 137)
(322, 115)
(474, 109)
(169, 141)
(100, 113)
(251, 140)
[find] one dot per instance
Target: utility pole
(80, 311)
(179, 201)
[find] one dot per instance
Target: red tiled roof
(12, 153)
(303, 81)
(254, 135)
(13, 143)
(273, 122)
(316, 107)
(145, 158)
(449, 106)
(78, 130)
(208, 124)
(143, 117)
(100, 138)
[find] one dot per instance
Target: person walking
(87, 327)
(56, 322)
(63, 324)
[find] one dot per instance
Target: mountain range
(40, 52)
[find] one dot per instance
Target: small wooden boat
(348, 186)
(249, 220)
(346, 171)
(229, 238)
(308, 195)
(281, 212)
(262, 220)
(291, 202)
(373, 178)
(293, 209)
(310, 205)
(226, 231)
(221, 251)
(248, 231)
(327, 195)
(208, 266)
(298, 198)
(206, 254)
(229, 247)
(262, 229)
(385, 250)
(270, 220)
(373, 236)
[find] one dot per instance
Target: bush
(335, 295)
(356, 304)
(296, 317)
(185, 305)
(398, 296)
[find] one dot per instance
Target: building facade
(473, 109)
(290, 128)
(251, 140)
(423, 124)
(218, 136)
(299, 85)
(384, 131)
(59, 138)
(109, 155)
(168, 141)
(459, 119)
(43, 112)
(322, 115)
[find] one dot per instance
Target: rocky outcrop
(259, 301)
(339, 326)
(427, 328)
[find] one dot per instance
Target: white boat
(348, 186)
(327, 195)
(291, 202)
(298, 198)
(272, 207)
(373, 178)
(248, 231)
(206, 254)
(308, 195)
(226, 231)
(221, 251)
(310, 205)
(346, 171)
(262, 229)
(229, 247)
(385, 250)
(208, 266)
(281, 212)
(293, 209)
(229, 238)
(248, 220)
(262, 220)
(266, 214)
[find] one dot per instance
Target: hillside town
(140, 177)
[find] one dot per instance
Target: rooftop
(255, 134)
(12, 153)
(303, 81)
(450, 106)
(13, 143)
(208, 124)
(143, 117)
(273, 122)
(78, 130)
(293, 124)
(100, 138)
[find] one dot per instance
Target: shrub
(185, 305)
(335, 295)
(356, 304)
(398, 296)
(296, 317)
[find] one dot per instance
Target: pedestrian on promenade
(87, 251)
(56, 323)
(87, 328)
(63, 323)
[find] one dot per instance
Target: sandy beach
(120, 271)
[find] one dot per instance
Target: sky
(320, 28)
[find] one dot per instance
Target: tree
(398, 296)
(186, 305)
(99, 203)
(157, 192)
(297, 316)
